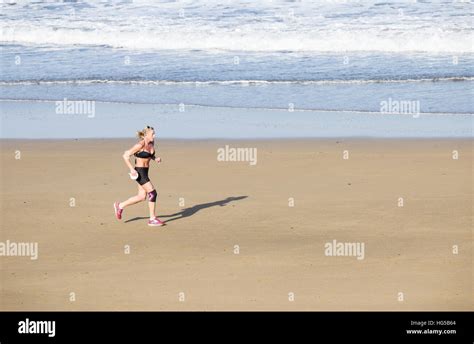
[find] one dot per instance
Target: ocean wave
(208, 39)
(230, 82)
(244, 25)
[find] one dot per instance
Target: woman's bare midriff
(143, 162)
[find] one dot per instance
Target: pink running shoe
(155, 222)
(118, 211)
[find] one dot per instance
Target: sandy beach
(247, 237)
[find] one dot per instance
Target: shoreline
(279, 109)
(110, 120)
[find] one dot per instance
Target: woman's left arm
(157, 159)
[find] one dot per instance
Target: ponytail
(141, 133)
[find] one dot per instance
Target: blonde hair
(141, 133)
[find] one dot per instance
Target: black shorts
(142, 175)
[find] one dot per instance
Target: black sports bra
(144, 155)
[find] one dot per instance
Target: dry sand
(408, 249)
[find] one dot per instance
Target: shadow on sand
(192, 210)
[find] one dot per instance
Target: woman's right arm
(127, 154)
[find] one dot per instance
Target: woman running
(143, 151)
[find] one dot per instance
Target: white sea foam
(433, 41)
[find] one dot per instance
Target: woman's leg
(135, 199)
(152, 195)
